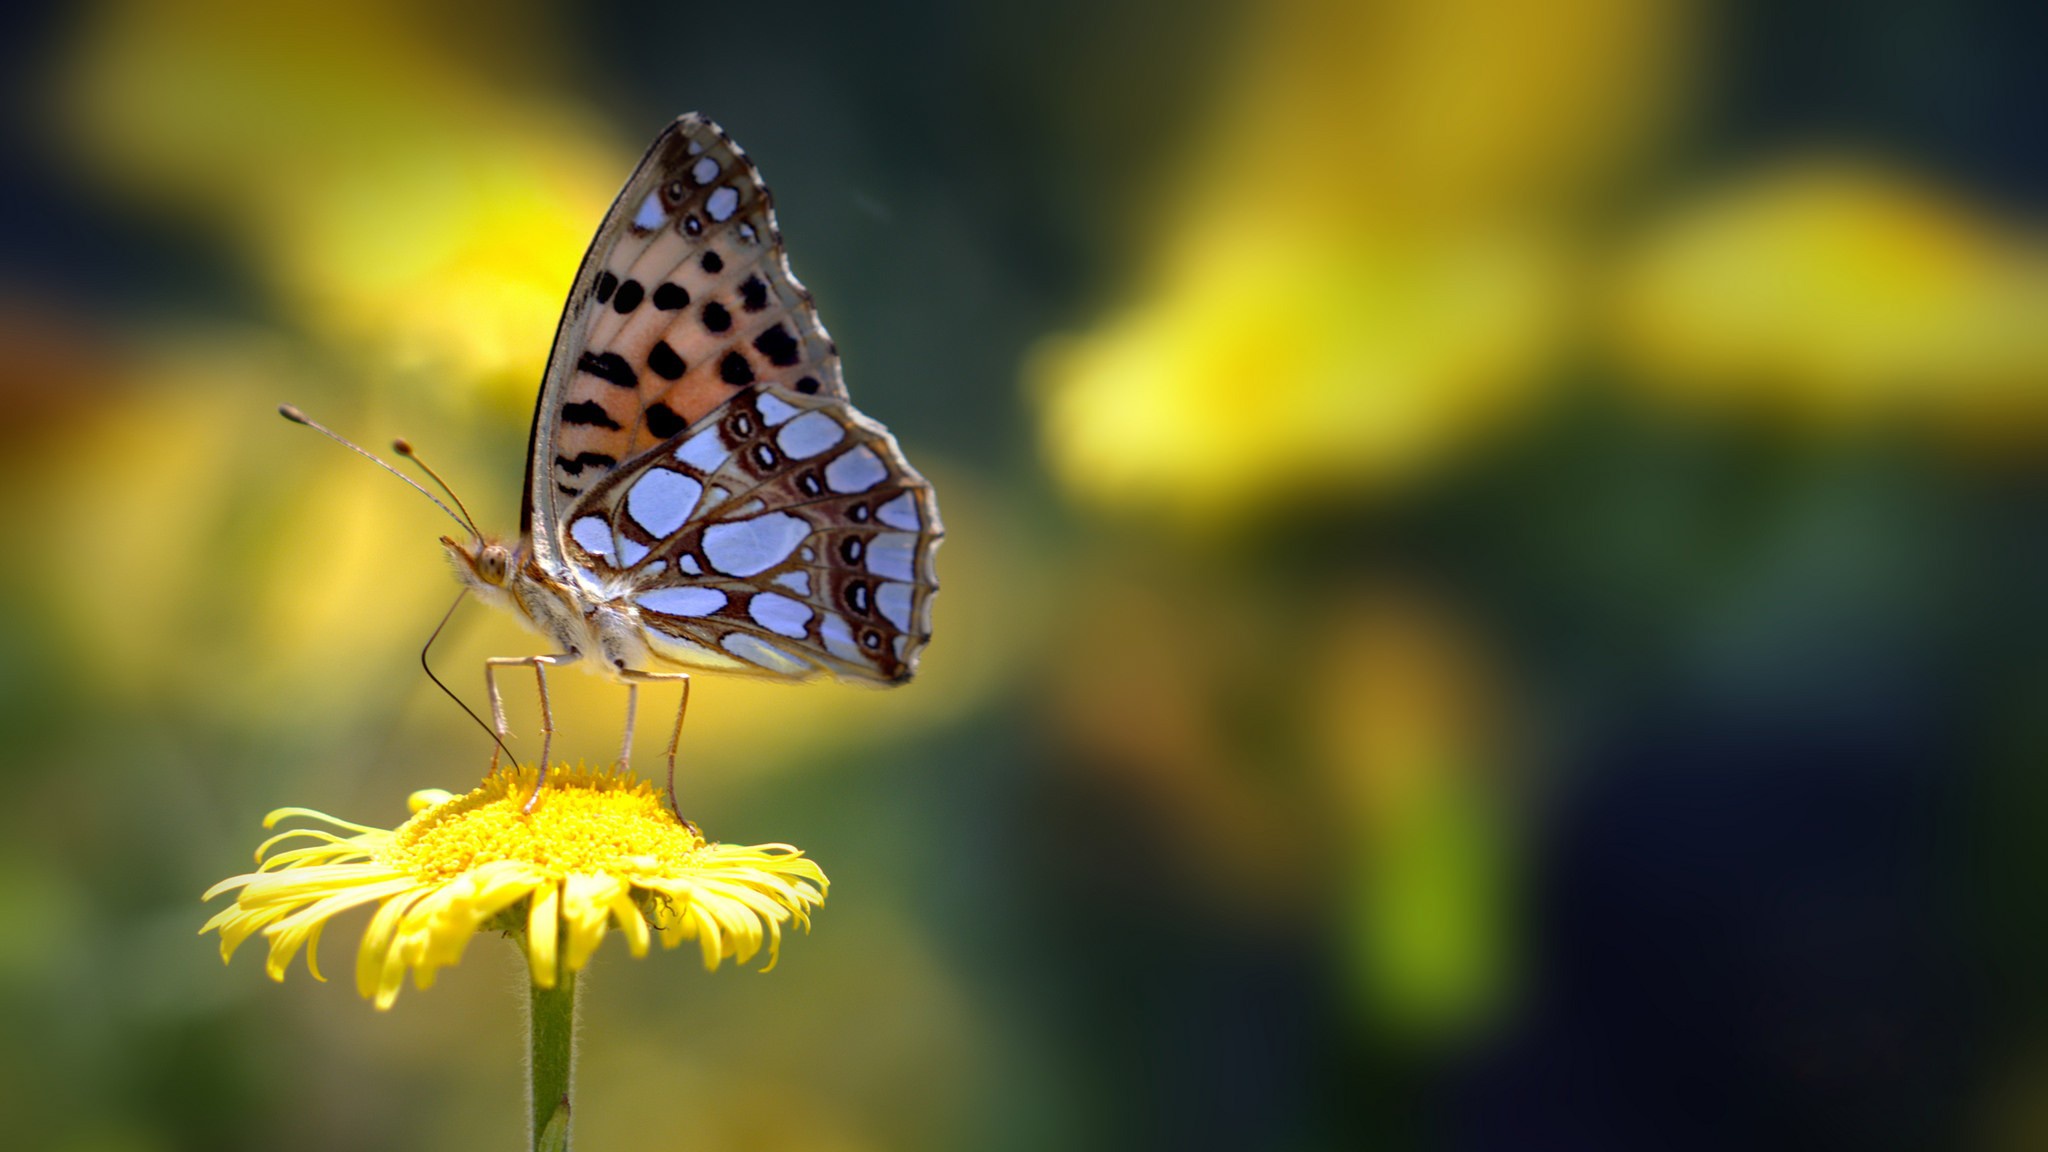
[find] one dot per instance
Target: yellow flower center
(586, 822)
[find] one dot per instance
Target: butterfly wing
(693, 449)
(684, 297)
(784, 534)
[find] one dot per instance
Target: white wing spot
(705, 451)
(594, 534)
(774, 409)
(855, 471)
(889, 555)
(748, 547)
(797, 582)
(682, 601)
(661, 501)
(689, 564)
(686, 652)
(808, 435)
(894, 601)
(747, 233)
(651, 214)
(696, 148)
(721, 203)
(755, 650)
(839, 638)
(779, 614)
(900, 513)
(631, 551)
(704, 171)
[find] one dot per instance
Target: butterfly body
(603, 627)
(700, 494)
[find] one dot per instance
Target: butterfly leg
(675, 738)
(632, 709)
(540, 665)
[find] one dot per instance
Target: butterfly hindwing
(783, 534)
(684, 299)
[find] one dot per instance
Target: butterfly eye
(491, 565)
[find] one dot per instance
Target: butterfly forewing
(783, 534)
(684, 299)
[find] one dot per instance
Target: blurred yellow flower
(1258, 370)
(411, 205)
(600, 849)
(1842, 293)
(1370, 257)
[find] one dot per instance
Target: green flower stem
(551, 1060)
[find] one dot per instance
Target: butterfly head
(483, 564)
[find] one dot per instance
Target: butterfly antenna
(429, 670)
(404, 448)
(292, 414)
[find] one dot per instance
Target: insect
(699, 492)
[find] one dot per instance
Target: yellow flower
(1358, 363)
(363, 158)
(1838, 292)
(600, 848)
(1369, 260)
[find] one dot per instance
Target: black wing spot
(858, 513)
(742, 425)
(712, 262)
(609, 367)
(808, 385)
(716, 318)
(670, 297)
(584, 459)
(850, 549)
(857, 596)
(764, 456)
(629, 297)
(588, 412)
(663, 421)
(872, 639)
(665, 362)
(606, 285)
(692, 225)
(754, 294)
(735, 370)
(810, 484)
(566, 490)
(778, 346)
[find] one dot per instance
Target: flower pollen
(599, 823)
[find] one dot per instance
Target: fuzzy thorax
(604, 632)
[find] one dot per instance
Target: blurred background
(1493, 596)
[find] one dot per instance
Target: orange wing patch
(693, 302)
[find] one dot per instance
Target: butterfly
(699, 492)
